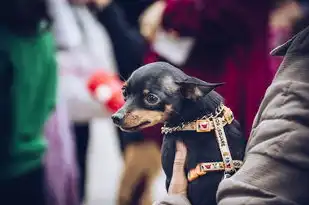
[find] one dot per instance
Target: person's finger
(102, 3)
(180, 157)
(181, 150)
(179, 181)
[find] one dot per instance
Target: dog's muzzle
(118, 118)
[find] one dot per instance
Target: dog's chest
(202, 147)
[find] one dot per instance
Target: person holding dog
(141, 155)
(28, 78)
(276, 166)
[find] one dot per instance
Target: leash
(223, 116)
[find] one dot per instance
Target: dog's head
(154, 92)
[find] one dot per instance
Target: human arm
(177, 191)
(211, 20)
(129, 46)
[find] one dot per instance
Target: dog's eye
(152, 99)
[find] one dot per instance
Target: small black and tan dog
(189, 108)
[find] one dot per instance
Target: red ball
(99, 78)
(112, 84)
(116, 101)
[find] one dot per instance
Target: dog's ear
(193, 88)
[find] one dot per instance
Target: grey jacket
(276, 168)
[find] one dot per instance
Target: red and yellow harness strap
(203, 168)
(223, 116)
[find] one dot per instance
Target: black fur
(202, 147)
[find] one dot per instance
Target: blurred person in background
(283, 19)
(83, 48)
(28, 88)
(217, 41)
(120, 18)
(129, 49)
(61, 170)
(141, 155)
(303, 21)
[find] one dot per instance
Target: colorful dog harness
(222, 117)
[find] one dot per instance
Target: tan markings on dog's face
(169, 84)
(168, 110)
(125, 84)
(141, 118)
(146, 91)
(197, 92)
(194, 93)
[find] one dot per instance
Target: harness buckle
(199, 170)
(192, 175)
(195, 173)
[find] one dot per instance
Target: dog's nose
(117, 119)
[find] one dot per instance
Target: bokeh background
(97, 45)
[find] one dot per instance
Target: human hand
(179, 182)
(286, 15)
(98, 3)
(102, 3)
(151, 18)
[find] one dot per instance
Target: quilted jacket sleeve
(173, 200)
(276, 168)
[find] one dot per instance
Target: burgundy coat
(231, 46)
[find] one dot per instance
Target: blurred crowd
(49, 49)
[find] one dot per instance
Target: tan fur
(168, 110)
(169, 84)
(146, 91)
(138, 116)
(194, 93)
(141, 160)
